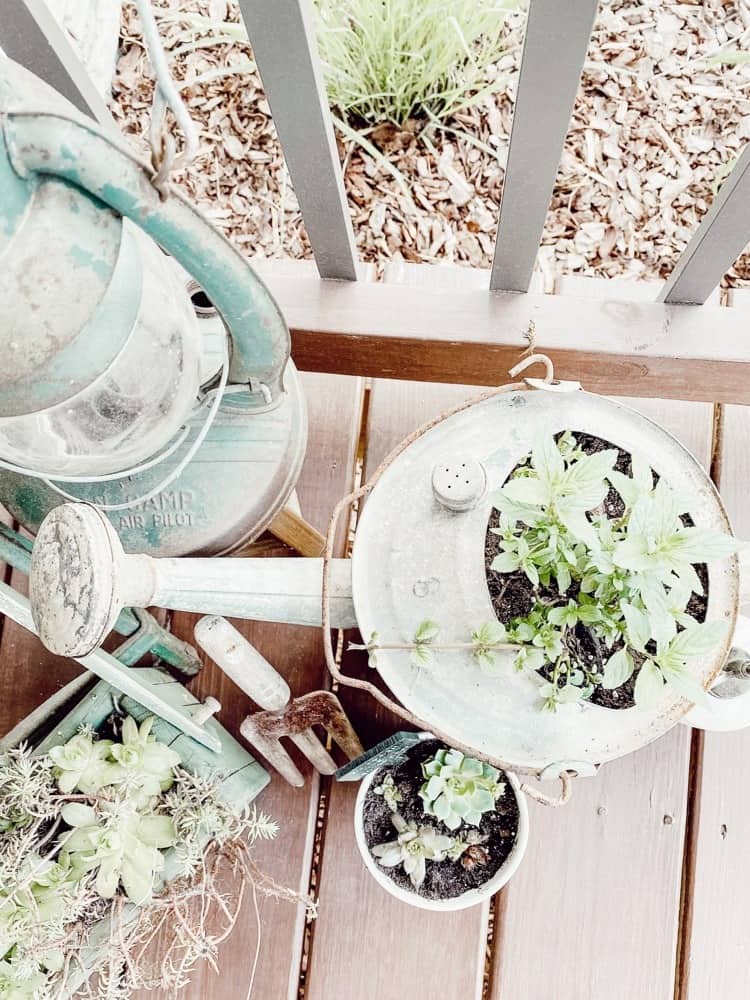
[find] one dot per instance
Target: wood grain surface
(616, 345)
(718, 947)
(334, 406)
(595, 911)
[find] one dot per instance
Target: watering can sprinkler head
(75, 580)
(81, 578)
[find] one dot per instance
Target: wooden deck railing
(662, 347)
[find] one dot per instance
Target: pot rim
(472, 896)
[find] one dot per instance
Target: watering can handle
(78, 151)
(729, 707)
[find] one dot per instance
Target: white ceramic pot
(473, 896)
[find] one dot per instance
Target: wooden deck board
(643, 349)
(605, 869)
(402, 952)
(594, 909)
(29, 673)
(718, 947)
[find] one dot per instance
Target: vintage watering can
(188, 430)
(418, 554)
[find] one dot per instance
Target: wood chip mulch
(657, 125)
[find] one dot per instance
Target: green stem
(447, 645)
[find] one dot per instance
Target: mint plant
(626, 577)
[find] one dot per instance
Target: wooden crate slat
(283, 39)
(403, 952)
(31, 36)
(334, 406)
(717, 947)
(464, 335)
(554, 48)
(722, 235)
(598, 894)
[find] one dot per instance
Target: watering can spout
(81, 579)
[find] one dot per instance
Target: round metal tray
(414, 559)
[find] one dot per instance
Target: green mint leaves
(626, 579)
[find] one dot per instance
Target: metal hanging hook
(164, 158)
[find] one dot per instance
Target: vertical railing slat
(30, 35)
(722, 235)
(554, 49)
(282, 35)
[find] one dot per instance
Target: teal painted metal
(44, 144)
(229, 493)
(144, 634)
(102, 363)
(17, 194)
(244, 777)
(110, 325)
(36, 269)
(130, 682)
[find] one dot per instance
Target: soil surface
(444, 879)
(513, 595)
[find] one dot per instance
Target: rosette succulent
(389, 790)
(459, 789)
(141, 762)
(87, 826)
(413, 848)
(119, 844)
(82, 763)
(18, 983)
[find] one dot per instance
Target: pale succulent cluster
(88, 824)
(458, 790)
(415, 845)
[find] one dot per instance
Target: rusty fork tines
(281, 715)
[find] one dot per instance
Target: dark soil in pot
(444, 879)
(513, 594)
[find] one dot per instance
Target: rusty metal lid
(416, 559)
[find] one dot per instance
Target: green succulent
(459, 789)
(142, 763)
(389, 790)
(84, 827)
(119, 844)
(19, 983)
(413, 848)
(82, 763)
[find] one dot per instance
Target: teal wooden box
(243, 776)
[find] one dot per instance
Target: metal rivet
(426, 586)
